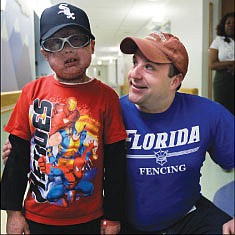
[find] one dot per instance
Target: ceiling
(112, 20)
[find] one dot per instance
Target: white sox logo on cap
(66, 11)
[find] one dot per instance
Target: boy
(72, 127)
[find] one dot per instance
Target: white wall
(186, 23)
(17, 45)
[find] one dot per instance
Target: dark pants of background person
(224, 89)
(206, 219)
(91, 227)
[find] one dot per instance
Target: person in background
(67, 138)
(221, 59)
(169, 135)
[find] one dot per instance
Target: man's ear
(45, 54)
(176, 81)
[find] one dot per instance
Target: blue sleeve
(222, 147)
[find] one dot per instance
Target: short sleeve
(18, 123)
(114, 129)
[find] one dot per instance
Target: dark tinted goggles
(57, 44)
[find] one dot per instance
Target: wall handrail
(193, 91)
(8, 100)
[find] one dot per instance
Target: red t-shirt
(67, 126)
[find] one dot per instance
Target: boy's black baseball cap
(61, 15)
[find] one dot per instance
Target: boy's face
(70, 64)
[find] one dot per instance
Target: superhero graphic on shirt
(70, 152)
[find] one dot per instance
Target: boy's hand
(6, 150)
(109, 227)
(16, 223)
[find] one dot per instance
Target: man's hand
(6, 150)
(229, 227)
(109, 227)
(16, 223)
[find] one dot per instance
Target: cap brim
(57, 28)
(149, 49)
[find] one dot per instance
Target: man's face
(70, 63)
(150, 85)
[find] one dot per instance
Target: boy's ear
(92, 46)
(44, 54)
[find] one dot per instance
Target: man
(169, 134)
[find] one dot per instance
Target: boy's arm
(114, 179)
(14, 179)
(114, 182)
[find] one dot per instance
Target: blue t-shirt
(165, 154)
